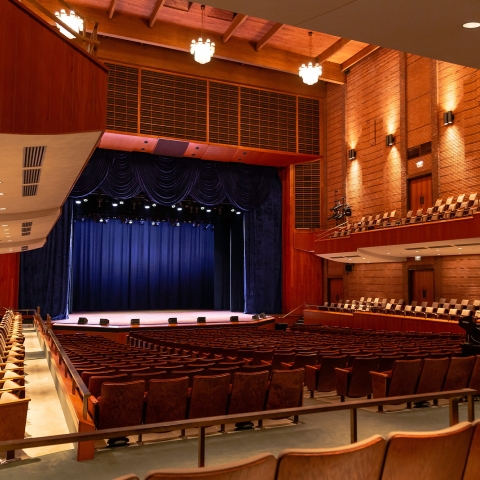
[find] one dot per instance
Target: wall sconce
(390, 140)
(448, 118)
(420, 164)
(352, 154)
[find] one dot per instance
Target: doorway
(335, 290)
(420, 194)
(422, 286)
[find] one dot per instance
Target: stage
(119, 322)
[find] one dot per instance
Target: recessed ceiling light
(3, 208)
(10, 241)
(4, 225)
(1, 193)
(388, 253)
(471, 25)
(459, 248)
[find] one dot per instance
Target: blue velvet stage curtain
(45, 272)
(263, 254)
(168, 180)
(141, 267)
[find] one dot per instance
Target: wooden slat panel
(308, 126)
(307, 195)
(223, 113)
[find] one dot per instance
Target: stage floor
(154, 318)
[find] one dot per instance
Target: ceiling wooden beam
(358, 56)
(237, 21)
(153, 16)
(111, 10)
(179, 37)
(262, 42)
(332, 50)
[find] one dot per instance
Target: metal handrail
(202, 423)
(77, 381)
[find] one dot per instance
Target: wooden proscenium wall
(405, 95)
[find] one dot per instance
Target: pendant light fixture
(310, 72)
(72, 20)
(202, 51)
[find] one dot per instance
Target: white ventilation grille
(25, 248)
(26, 228)
(32, 163)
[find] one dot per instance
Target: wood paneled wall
(48, 85)
(9, 279)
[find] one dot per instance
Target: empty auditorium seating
(356, 380)
(286, 388)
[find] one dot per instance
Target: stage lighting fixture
(82, 321)
(100, 220)
(177, 224)
(347, 211)
(115, 204)
(135, 321)
(179, 209)
(389, 140)
(147, 206)
(142, 221)
(172, 321)
(173, 206)
(238, 213)
(201, 319)
(256, 317)
(85, 199)
(263, 315)
(78, 202)
(121, 202)
(154, 204)
(202, 208)
(208, 210)
(130, 222)
(234, 318)
(104, 321)
(159, 223)
(448, 118)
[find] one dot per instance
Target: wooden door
(422, 286)
(420, 193)
(335, 290)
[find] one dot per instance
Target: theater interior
(252, 256)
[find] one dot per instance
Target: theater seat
(209, 396)
(438, 455)
(167, 400)
(360, 461)
(286, 388)
(248, 392)
(356, 380)
(459, 373)
(258, 467)
(472, 470)
(322, 377)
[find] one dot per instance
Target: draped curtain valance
(168, 180)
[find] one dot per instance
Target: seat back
(441, 454)
(279, 358)
(209, 395)
(13, 417)
(286, 388)
(459, 373)
(95, 382)
(248, 392)
(167, 400)
(473, 461)
(475, 378)
(305, 359)
(362, 461)
(121, 404)
(261, 466)
(361, 381)
(260, 355)
(432, 375)
(404, 377)
(326, 375)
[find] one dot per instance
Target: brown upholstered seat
(432, 375)
(13, 419)
(184, 372)
(459, 373)
(439, 455)
(209, 396)
(401, 380)
(475, 377)
(120, 404)
(322, 377)
(386, 361)
(95, 382)
(278, 359)
(248, 392)
(286, 387)
(167, 400)
(472, 468)
(258, 467)
(356, 380)
(361, 461)
(260, 355)
(86, 374)
(147, 376)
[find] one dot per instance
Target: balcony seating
(356, 380)
(322, 377)
(361, 461)
(439, 455)
(286, 388)
(401, 380)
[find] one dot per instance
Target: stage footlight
(82, 321)
(201, 319)
(256, 317)
(234, 318)
(104, 321)
(172, 321)
(135, 321)
(263, 315)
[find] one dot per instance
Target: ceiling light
(121, 202)
(232, 210)
(202, 208)
(471, 25)
(114, 204)
(147, 206)
(238, 213)
(1, 193)
(78, 202)
(4, 225)
(154, 204)
(179, 209)
(72, 20)
(130, 222)
(85, 199)
(310, 72)
(173, 206)
(202, 51)
(208, 210)
(3, 208)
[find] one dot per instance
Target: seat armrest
(311, 376)
(379, 384)
(342, 381)
(286, 366)
(265, 362)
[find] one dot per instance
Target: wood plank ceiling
(238, 37)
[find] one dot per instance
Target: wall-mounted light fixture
(389, 140)
(420, 164)
(448, 118)
(352, 154)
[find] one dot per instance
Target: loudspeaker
(135, 321)
(82, 321)
(201, 319)
(263, 315)
(349, 267)
(256, 317)
(234, 318)
(172, 321)
(104, 321)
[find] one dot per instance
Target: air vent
(122, 98)
(268, 120)
(223, 113)
(332, 258)
(33, 156)
(25, 248)
(417, 248)
(307, 195)
(419, 150)
(441, 246)
(26, 228)
(467, 245)
(29, 190)
(31, 175)
(308, 126)
(353, 256)
(173, 106)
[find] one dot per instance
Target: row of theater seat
(13, 404)
(447, 210)
(442, 309)
(449, 454)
